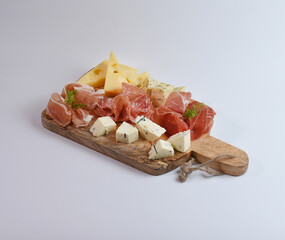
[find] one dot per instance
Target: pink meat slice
(168, 119)
(178, 101)
(81, 117)
(202, 123)
(140, 101)
(132, 91)
(85, 94)
(105, 107)
(58, 110)
(141, 106)
(122, 110)
(125, 106)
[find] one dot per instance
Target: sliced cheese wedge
(130, 73)
(96, 76)
(114, 78)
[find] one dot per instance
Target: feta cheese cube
(148, 129)
(180, 141)
(161, 149)
(126, 133)
(102, 126)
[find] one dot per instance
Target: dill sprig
(70, 100)
(193, 112)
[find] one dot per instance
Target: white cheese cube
(126, 133)
(161, 149)
(148, 129)
(102, 126)
(180, 141)
(160, 93)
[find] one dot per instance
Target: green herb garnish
(70, 100)
(191, 113)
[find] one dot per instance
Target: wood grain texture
(136, 154)
(207, 147)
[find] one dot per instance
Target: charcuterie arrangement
(113, 102)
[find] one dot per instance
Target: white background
(229, 54)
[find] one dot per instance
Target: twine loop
(187, 169)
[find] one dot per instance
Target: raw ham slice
(178, 101)
(58, 110)
(141, 105)
(122, 109)
(168, 119)
(85, 94)
(174, 124)
(132, 91)
(125, 106)
(105, 107)
(81, 117)
(140, 101)
(202, 123)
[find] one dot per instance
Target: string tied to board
(187, 168)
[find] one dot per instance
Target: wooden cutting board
(136, 154)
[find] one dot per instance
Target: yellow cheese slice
(96, 76)
(114, 78)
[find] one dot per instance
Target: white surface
(229, 54)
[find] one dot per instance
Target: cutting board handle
(209, 147)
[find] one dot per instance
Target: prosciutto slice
(58, 110)
(125, 106)
(168, 119)
(202, 123)
(85, 94)
(105, 107)
(122, 108)
(81, 117)
(170, 115)
(63, 114)
(178, 101)
(132, 91)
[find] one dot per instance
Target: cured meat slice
(132, 91)
(122, 109)
(202, 123)
(178, 101)
(58, 110)
(105, 107)
(140, 106)
(140, 101)
(125, 106)
(168, 119)
(81, 117)
(174, 124)
(84, 94)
